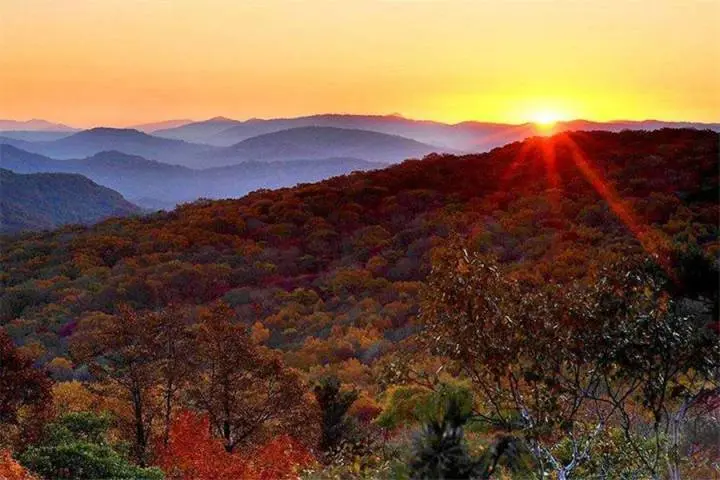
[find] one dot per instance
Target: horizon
(447, 61)
(187, 121)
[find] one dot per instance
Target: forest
(548, 309)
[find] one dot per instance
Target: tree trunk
(140, 434)
(168, 411)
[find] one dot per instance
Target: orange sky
(119, 62)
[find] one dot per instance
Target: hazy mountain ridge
(199, 131)
(48, 200)
(130, 141)
(321, 142)
(150, 127)
(294, 144)
(155, 184)
(34, 125)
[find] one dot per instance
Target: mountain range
(153, 184)
(303, 143)
(468, 136)
(221, 157)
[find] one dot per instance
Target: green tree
(440, 450)
(75, 446)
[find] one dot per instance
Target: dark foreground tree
(440, 450)
(246, 391)
(560, 364)
(336, 426)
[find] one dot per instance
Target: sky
(122, 62)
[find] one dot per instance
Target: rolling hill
(48, 200)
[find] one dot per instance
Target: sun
(545, 119)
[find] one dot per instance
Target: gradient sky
(119, 62)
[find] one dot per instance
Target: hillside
(322, 142)
(155, 184)
(48, 200)
(333, 270)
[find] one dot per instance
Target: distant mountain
(165, 124)
(158, 185)
(620, 125)
(464, 136)
(34, 125)
(35, 135)
(322, 142)
(129, 141)
(200, 131)
(305, 143)
(47, 200)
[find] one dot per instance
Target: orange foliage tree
(193, 453)
(11, 470)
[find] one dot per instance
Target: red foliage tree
(192, 453)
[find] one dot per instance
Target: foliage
(329, 279)
(193, 453)
(121, 350)
(245, 390)
(560, 363)
(24, 396)
(11, 470)
(75, 446)
(441, 451)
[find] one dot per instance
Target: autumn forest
(548, 309)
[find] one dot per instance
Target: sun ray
(653, 242)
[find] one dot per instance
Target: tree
(193, 453)
(175, 339)
(440, 450)
(246, 391)
(664, 360)
(11, 470)
(122, 349)
(560, 363)
(336, 427)
(22, 388)
(75, 446)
